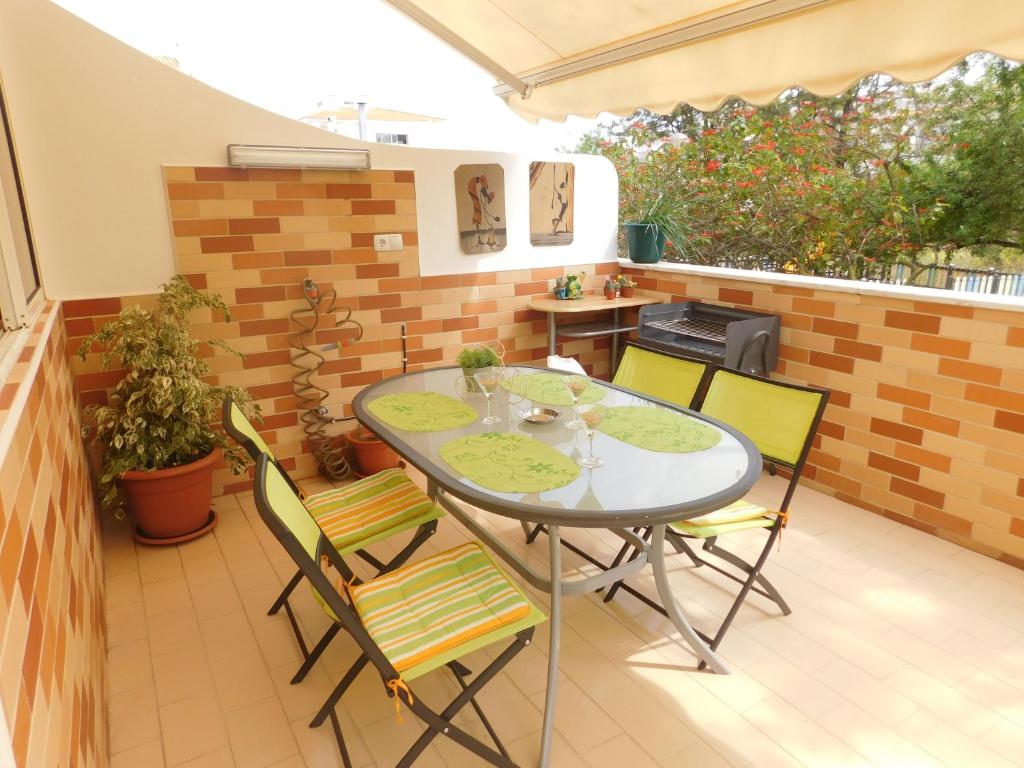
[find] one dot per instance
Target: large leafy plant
(163, 413)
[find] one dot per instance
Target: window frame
(14, 302)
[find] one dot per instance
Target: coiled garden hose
(314, 414)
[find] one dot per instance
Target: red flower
(965, 145)
(708, 132)
(712, 165)
(865, 99)
(761, 170)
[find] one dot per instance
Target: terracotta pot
(626, 291)
(171, 505)
(609, 293)
(372, 454)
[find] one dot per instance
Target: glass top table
(635, 488)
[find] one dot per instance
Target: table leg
(614, 344)
(675, 612)
(555, 624)
(552, 329)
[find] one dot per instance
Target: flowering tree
(827, 186)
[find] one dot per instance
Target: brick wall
(926, 420)
(52, 659)
(254, 235)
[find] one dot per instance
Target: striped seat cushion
(737, 516)
(388, 500)
(423, 610)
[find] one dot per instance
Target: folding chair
(676, 380)
(781, 419)
(410, 621)
(352, 517)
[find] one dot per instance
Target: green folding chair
(677, 380)
(352, 517)
(782, 420)
(411, 621)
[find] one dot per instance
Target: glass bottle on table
(591, 418)
(576, 385)
(487, 379)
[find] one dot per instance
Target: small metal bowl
(539, 415)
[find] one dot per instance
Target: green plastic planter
(645, 243)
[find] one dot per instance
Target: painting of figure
(551, 203)
(480, 207)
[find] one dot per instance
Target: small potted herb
(473, 358)
(611, 288)
(626, 286)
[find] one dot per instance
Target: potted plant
(659, 222)
(654, 202)
(611, 288)
(472, 358)
(626, 286)
(373, 455)
(158, 428)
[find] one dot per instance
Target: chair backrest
(242, 431)
(288, 519)
(781, 419)
(673, 379)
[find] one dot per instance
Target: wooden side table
(593, 328)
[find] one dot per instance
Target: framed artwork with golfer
(551, 203)
(480, 208)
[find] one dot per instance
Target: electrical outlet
(396, 242)
(382, 242)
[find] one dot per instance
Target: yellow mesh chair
(411, 621)
(675, 380)
(781, 420)
(351, 517)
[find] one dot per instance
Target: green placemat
(511, 463)
(549, 388)
(422, 411)
(658, 429)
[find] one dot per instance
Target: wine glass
(576, 386)
(487, 379)
(591, 418)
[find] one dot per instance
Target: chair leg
(532, 536)
(441, 723)
(767, 586)
(460, 677)
(283, 597)
(423, 533)
(620, 583)
(339, 691)
(682, 547)
(314, 654)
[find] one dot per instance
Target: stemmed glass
(576, 386)
(487, 380)
(591, 418)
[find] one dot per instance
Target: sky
(291, 56)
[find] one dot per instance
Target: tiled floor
(902, 650)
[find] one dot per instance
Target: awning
(555, 58)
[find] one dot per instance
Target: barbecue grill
(734, 338)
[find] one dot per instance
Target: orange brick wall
(926, 420)
(254, 235)
(52, 660)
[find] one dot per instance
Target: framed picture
(480, 208)
(551, 203)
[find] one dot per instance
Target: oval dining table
(634, 488)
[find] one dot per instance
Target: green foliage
(478, 357)
(883, 174)
(162, 413)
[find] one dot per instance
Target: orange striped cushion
(367, 507)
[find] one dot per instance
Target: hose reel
(314, 414)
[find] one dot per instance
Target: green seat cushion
(738, 516)
(437, 607)
(667, 378)
(369, 509)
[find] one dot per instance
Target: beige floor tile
(1006, 739)
(205, 568)
(122, 590)
(126, 624)
(620, 751)
(215, 598)
(192, 728)
(148, 755)
(241, 679)
(128, 666)
(801, 736)
(119, 561)
(173, 631)
(951, 746)
(305, 698)
(526, 749)
(157, 563)
(866, 692)
(318, 746)
(227, 635)
(182, 674)
(579, 719)
(220, 759)
(165, 596)
(698, 755)
(260, 734)
(133, 718)
(874, 740)
(945, 701)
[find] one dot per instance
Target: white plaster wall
(94, 120)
